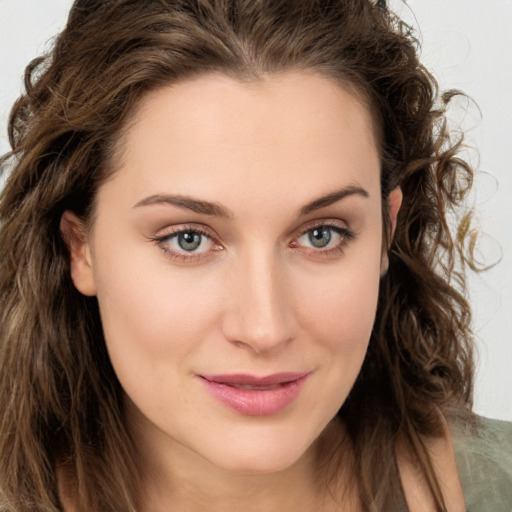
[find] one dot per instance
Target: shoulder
(483, 452)
(417, 491)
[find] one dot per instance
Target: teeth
(258, 388)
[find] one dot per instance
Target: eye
(324, 238)
(187, 243)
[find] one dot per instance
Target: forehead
(296, 131)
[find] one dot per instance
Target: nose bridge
(261, 316)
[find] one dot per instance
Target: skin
(256, 297)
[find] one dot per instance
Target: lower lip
(256, 402)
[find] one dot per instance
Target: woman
(227, 276)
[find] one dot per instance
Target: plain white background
(467, 44)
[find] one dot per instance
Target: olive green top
(484, 461)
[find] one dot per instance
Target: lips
(256, 396)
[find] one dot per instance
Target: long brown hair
(61, 402)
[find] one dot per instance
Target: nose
(259, 315)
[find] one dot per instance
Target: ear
(394, 203)
(75, 237)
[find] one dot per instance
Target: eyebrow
(217, 210)
(332, 198)
(187, 203)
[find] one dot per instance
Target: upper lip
(252, 380)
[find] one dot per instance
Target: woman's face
(236, 257)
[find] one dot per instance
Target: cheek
(337, 314)
(340, 308)
(152, 315)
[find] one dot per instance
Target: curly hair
(61, 401)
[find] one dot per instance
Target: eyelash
(163, 241)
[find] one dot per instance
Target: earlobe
(75, 237)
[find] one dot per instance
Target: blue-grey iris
(189, 241)
(320, 237)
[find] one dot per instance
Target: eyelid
(325, 223)
(179, 228)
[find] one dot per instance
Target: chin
(260, 454)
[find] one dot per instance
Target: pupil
(189, 241)
(320, 237)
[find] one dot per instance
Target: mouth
(256, 396)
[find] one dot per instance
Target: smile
(256, 396)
